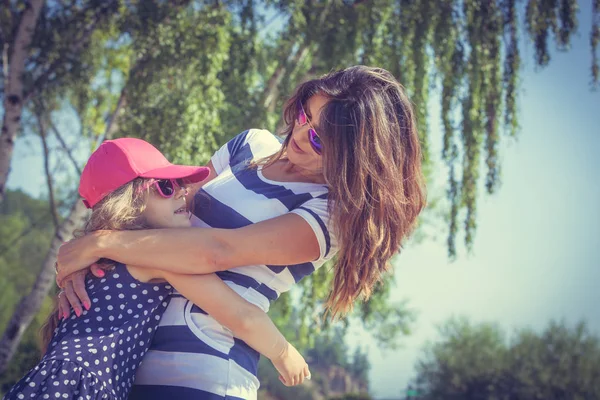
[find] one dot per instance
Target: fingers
(97, 271)
(58, 308)
(63, 305)
(299, 379)
(282, 380)
(72, 297)
(292, 380)
(306, 372)
(79, 287)
(60, 279)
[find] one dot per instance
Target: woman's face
(299, 150)
(169, 212)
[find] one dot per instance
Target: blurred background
(494, 297)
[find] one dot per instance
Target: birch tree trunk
(13, 90)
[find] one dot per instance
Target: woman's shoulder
(252, 144)
(262, 137)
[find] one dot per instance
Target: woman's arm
(284, 240)
(245, 320)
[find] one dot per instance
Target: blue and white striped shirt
(192, 355)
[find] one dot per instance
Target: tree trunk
(30, 304)
(13, 92)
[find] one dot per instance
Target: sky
(536, 254)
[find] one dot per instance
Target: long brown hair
(119, 210)
(372, 166)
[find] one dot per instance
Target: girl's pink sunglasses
(165, 187)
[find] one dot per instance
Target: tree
(563, 362)
(360, 365)
(43, 47)
(13, 86)
(478, 362)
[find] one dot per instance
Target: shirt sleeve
(316, 213)
(222, 157)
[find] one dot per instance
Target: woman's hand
(291, 366)
(76, 255)
(74, 294)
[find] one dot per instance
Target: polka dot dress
(95, 356)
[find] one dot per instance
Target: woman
(347, 180)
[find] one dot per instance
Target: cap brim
(188, 173)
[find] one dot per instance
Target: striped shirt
(192, 355)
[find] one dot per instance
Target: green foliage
(26, 357)
(174, 96)
(329, 349)
(479, 362)
(329, 354)
(360, 365)
(26, 229)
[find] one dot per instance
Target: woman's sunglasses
(165, 187)
(313, 138)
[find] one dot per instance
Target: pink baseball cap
(116, 162)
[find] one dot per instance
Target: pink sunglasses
(165, 187)
(313, 138)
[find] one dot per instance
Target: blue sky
(536, 254)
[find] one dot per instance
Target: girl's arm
(245, 320)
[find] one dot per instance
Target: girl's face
(168, 212)
(300, 152)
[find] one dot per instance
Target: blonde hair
(121, 209)
(372, 166)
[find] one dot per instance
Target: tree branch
(52, 203)
(64, 146)
(272, 88)
(113, 122)
(77, 45)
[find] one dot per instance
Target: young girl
(130, 185)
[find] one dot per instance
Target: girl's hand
(75, 255)
(291, 366)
